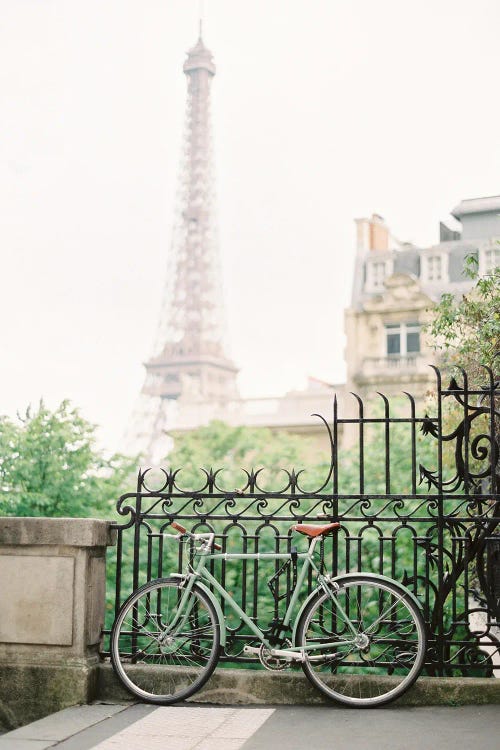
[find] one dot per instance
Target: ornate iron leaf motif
(430, 477)
(429, 426)
(453, 389)
(429, 535)
(431, 553)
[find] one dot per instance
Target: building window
(377, 271)
(402, 339)
(491, 259)
(434, 268)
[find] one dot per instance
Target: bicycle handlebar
(182, 530)
(178, 527)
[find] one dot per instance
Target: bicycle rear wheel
(159, 663)
(378, 656)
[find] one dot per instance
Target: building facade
(395, 287)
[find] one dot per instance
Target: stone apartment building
(395, 287)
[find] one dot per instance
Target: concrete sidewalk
(189, 727)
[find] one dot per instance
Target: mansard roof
(489, 204)
(411, 262)
(480, 220)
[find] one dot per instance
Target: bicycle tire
(171, 671)
(388, 655)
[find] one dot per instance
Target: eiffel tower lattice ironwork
(189, 360)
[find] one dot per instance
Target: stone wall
(52, 596)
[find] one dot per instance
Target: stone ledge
(253, 686)
(68, 532)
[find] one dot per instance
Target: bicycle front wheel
(158, 656)
(364, 643)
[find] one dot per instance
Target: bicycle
(359, 637)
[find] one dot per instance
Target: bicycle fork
(183, 611)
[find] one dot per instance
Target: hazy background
(323, 111)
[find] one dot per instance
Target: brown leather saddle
(312, 531)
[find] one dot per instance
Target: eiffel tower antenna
(189, 361)
(201, 15)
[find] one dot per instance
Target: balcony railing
(394, 363)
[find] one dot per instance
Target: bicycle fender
(218, 608)
(346, 577)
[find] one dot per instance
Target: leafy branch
(467, 330)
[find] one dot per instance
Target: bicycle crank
(274, 658)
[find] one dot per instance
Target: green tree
(467, 330)
(50, 466)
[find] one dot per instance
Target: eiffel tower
(189, 360)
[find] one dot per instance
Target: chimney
(372, 234)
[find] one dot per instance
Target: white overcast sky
(323, 111)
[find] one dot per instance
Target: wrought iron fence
(418, 499)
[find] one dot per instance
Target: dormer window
(491, 259)
(376, 273)
(435, 267)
